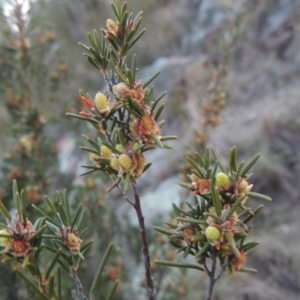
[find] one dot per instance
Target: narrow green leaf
(202, 250)
(45, 215)
(97, 40)
(217, 157)
(112, 291)
(206, 158)
(136, 39)
(247, 270)
(177, 211)
(4, 212)
(90, 150)
(234, 207)
(151, 79)
(92, 61)
(249, 246)
(63, 214)
(232, 160)
(164, 231)
(127, 182)
(83, 118)
(239, 170)
(231, 241)
(31, 284)
(16, 195)
(50, 204)
(38, 233)
(66, 205)
(91, 39)
(157, 141)
(76, 217)
(101, 267)
(194, 164)
(59, 287)
(253, 213)
(53, 262)
(216, 198)
(178, 265)
(93, 143)
(250, 164)
(192, 221)
(133, 66)
(51, 287)
(258, 196)
(159, 111)
(157, 101)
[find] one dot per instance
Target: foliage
(56, 247)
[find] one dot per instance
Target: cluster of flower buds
(216, 223)
(16, 237)
(70, 238)
(120, 160)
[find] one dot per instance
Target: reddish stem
(138, 209)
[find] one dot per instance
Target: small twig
(78, 284)
(145, 248)
(211, 274)
(124, 195)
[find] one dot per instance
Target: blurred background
(244, 52)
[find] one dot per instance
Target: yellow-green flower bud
(115, 163)
(5, 241)
(125, 161)
(119, 147)
(105, 152)
(101, 102)
(222, 180)
(212, 233)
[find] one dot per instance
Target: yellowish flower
(101, 103)
(222, 181)
(105, 152)
(212, 233)
(5, 241)
(125, 162)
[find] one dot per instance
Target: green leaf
(91, 120)
(258, 196)
(90, 150)
(232, 160)
(231, 241)
(247, 270)
(159, 111)
(234, 207)
(151, 79)
(249, 246)
(31, 284)
(127, 181)
(217, 157)
(157, 101)
(194, 164)
(203, 250)
(164, 231)
(253, 213)
(192, 221)
(157, 141)
(112, 291)
(206, 158)
(216, 198)
(178, 265)
(93, 143)
(77, 214)
(4, 212)
(101, 267)
(136, 39)
(249, 165)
